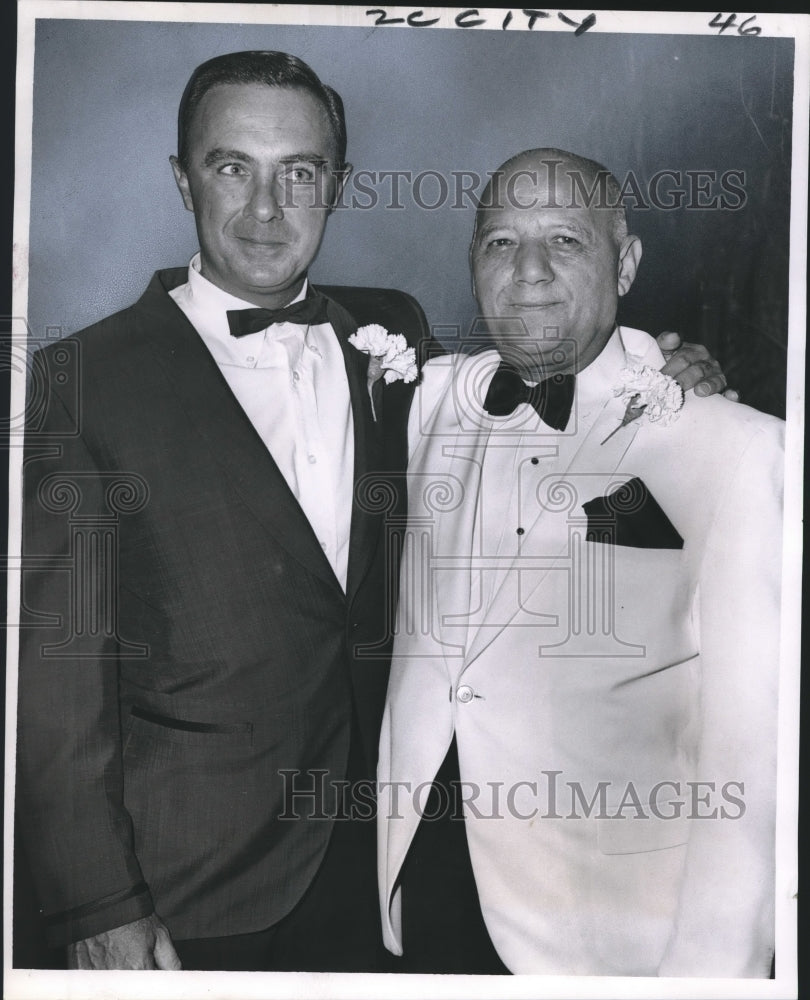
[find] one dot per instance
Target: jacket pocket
(632, 835)
(188, 732)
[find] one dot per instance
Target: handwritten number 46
(731, 21)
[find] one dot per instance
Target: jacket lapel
(591, 461)
(233, 445)
(228, 436)
(457, 600)
(368, 450)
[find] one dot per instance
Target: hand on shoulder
(693, 367)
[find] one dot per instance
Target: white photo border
(20, 983)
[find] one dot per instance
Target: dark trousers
(443, 929)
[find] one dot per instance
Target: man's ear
(471, 263)
(181, 179)
(629, 259)
(341, 176)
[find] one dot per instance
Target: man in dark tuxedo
(243, 636)
(209, 587)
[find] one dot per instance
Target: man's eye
(500, 241)
(301, 175)
(566, 241)
(231, 170)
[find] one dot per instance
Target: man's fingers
(693, 367)
(716, 383)
(708, 386)
(668, 341)
(685, 357)
(141, 944)
(706, 373)
(688, 373)
(166, 957)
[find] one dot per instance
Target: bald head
(550, 257)
(569, 180)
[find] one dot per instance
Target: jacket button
(464, 694)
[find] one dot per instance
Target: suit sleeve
(78, 835)
(725, 918)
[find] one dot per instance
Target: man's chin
(266, 282)
(540, 359)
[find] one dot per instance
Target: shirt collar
(599, 377)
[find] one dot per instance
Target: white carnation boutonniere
(649, 393)
(389, 357)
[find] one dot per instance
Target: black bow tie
(551, 398)
(311, 309)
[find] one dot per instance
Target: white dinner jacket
(592, 685)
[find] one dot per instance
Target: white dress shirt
(521, 451)
(290, 380)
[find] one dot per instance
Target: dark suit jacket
(186, 645)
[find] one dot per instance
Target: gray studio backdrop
(105, 212)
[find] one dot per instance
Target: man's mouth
(259, 242)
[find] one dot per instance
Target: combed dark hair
(274, 69)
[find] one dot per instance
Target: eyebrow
(317, 158)
(221, 155)
(575, 227)
(490, 227)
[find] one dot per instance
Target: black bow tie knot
(552, 398)
(309, 310)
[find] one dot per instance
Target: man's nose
(532, 264)
(265, 202)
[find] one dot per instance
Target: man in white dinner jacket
(589, 629)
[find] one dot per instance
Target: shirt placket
(311, 461)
